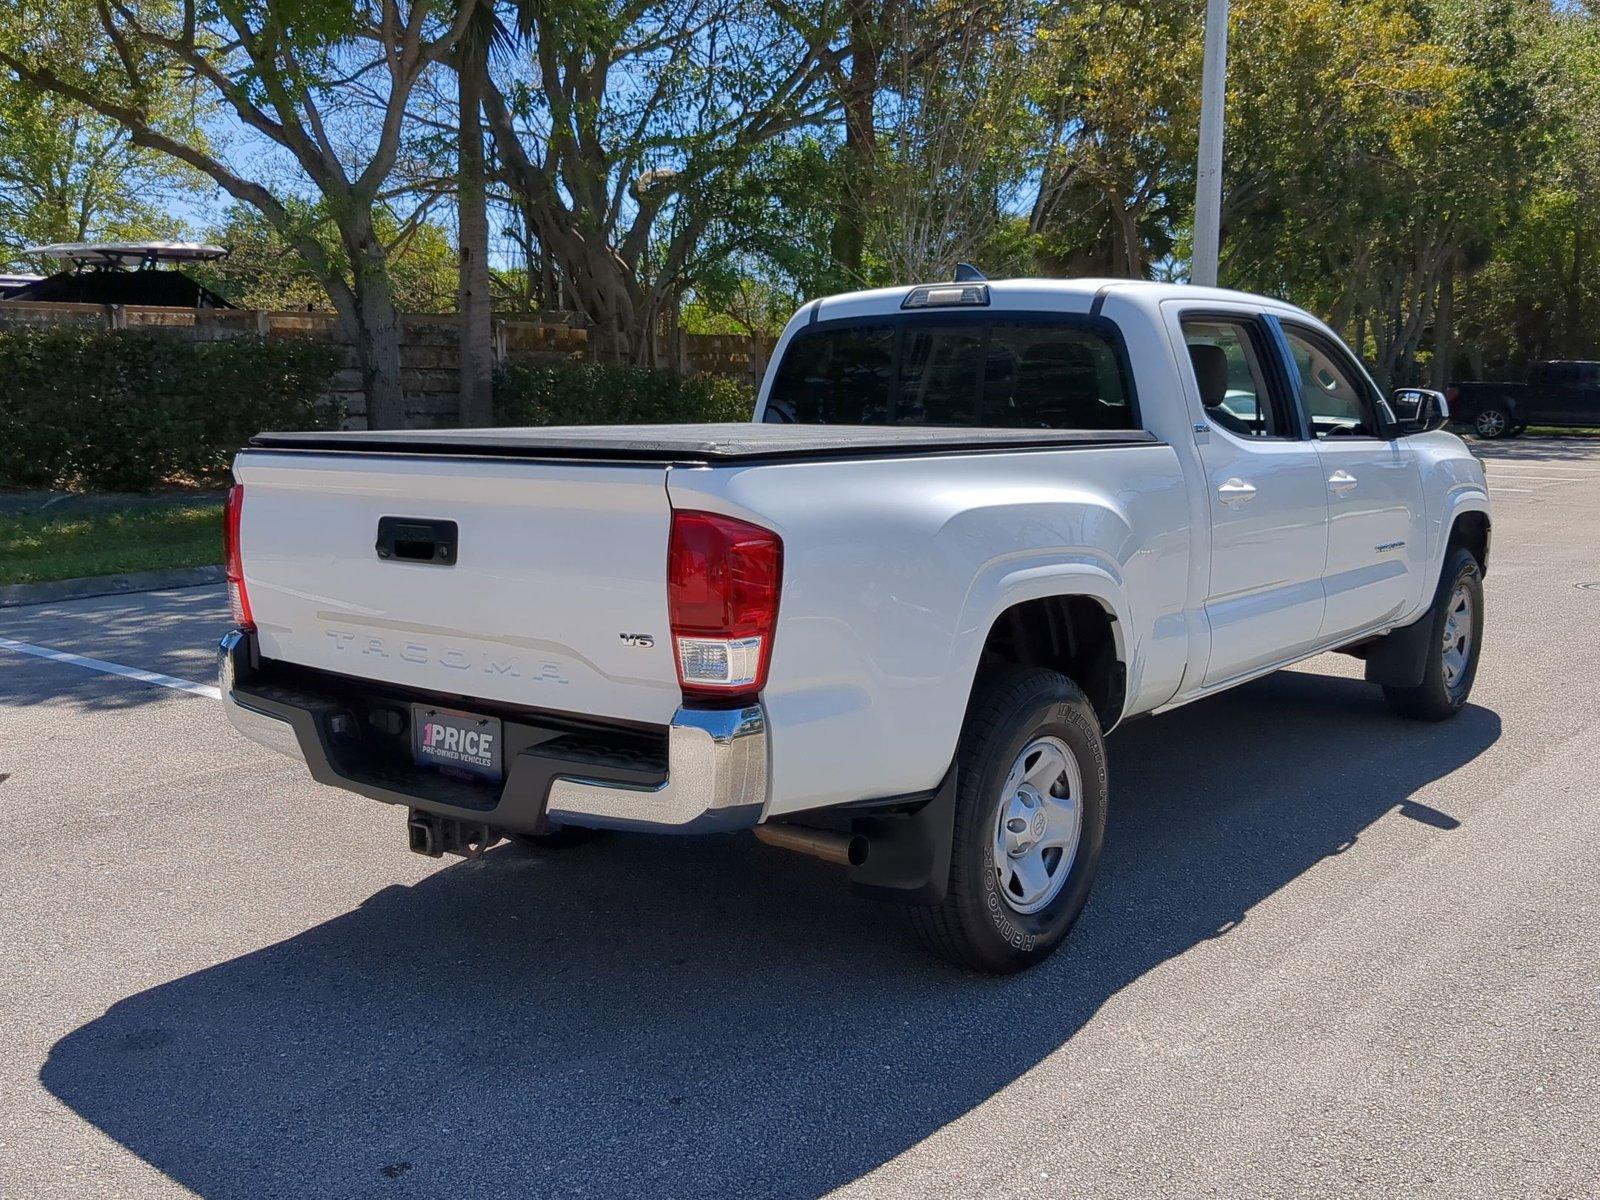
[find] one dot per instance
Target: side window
(1334, 397)
(1229, 375)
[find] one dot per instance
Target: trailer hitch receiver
(435, 836)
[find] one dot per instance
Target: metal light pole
(1208, 178)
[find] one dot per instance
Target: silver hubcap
(1457, 635)
(1491, 424)
(1037, 827)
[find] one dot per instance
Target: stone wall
(428, 355)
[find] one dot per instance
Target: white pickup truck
(973, 527)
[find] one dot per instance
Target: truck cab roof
(1035, 295)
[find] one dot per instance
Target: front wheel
(1452, 661)
(1029, 821)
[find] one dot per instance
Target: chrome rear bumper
(715, 779)
(272, 732)
(716, 763)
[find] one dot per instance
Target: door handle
(1341, 482)
(1236, 491)
(417, 539)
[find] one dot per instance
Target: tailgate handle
(417, 539)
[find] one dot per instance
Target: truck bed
(729, 443)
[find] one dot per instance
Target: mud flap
(909, 856)
(1398, 659)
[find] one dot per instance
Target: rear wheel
(1452, 662)
(1492, 422)
(1029, 822)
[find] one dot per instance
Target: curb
(16, 595)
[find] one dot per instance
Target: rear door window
(993, 372)
(1225, 356)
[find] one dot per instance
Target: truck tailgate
(555, 597)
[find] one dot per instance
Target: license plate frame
(452, 741)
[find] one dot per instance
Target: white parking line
(111, 668)
(1534, 464)
(1573, 473)
(1493, 475)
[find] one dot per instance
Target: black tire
(1437, 698)
(1492, 422)
(976, 926)
(561, 838)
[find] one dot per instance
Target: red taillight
(723, 580)
(238, 598)
(1450, 394)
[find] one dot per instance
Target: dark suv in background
(1554, 393)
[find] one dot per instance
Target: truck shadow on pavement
(710, 1017)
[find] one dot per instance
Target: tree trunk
(847, 241)
(378, 354)
(1574, 331)
(473, 298)
(1127, 258)
(1444, 333)
(374, 323)
(602, 287)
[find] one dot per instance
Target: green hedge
(580, 393)
(128, 411)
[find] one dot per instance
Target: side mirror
(1419, 410)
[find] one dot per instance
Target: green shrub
(128, 411)
(581, 393)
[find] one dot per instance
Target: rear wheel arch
(1077, 634)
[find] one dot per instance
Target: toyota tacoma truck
(972, 528)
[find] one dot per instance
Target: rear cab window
(990, 370)
(1228, 355)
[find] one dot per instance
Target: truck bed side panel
(894, 571)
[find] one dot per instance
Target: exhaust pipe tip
(841, 849)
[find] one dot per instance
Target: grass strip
(38, 547)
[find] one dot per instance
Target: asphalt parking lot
(1330, 953)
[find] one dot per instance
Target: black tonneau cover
(720, 443)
